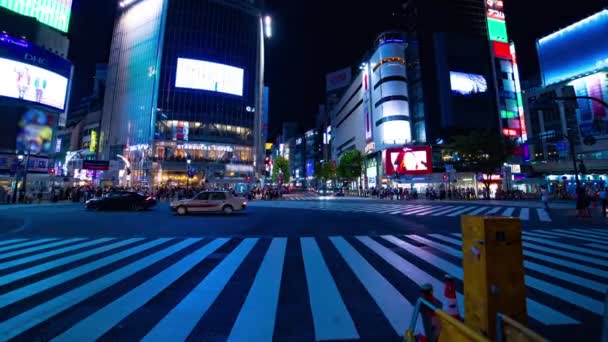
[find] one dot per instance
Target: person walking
(544, 196)
(604, 200)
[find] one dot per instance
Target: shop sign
(205, 147)
(370, 147)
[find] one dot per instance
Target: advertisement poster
(197, 74)
(408, 160)
(35, 132)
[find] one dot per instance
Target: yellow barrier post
(509, 330)
(493, 271)
(453, 330)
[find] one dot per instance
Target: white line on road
(524, 214)
(543, 215)
(508, 212)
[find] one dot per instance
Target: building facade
(185, 83)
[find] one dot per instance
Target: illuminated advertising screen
(592, 112)
(467, 84)
(197, 74)
(54, 13)
(31, 83)
(415, 160)
(35, 132)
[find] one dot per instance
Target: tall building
(184, 93)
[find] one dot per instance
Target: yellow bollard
(493, 271)
(453, 330)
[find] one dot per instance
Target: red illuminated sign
(415, 160)
(502, 50)
(510, 132)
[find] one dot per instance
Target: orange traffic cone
(427, 294)
(450, 296)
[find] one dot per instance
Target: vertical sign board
(367, 107)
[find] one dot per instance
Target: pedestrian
(603, 199)
(544, 196)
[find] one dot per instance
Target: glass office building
(184, 84)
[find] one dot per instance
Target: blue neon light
(576, 50)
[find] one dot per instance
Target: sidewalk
(558, 204)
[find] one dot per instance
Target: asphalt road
(284, 270)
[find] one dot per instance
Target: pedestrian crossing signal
(52, 171)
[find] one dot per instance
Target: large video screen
(408, 160)
(54, 13)
(35, 134)
(27, 82)
(197, 74)
(467, 84)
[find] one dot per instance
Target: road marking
(568, 234)
(417, 210)
(394, 306)
(543, 215)
(602, 231)
(460, 212)
(538, 311)
(258, 314)
(447, 211)
(540, 235)
(565, 246)
(579, 233)
(37, 248)
(508, 212)
(35, 257)
(60, 278)
(477, 211)
(38, 314)
(494, 210)
(98, 323)
(426, 212)
(24, 244)
(598, 246)
(561, 253)
(179, 322)
(330, 315)
(524, 214)
(408, 269)
(6, 242)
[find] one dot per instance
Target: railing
(508, 329)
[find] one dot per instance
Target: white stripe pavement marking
(330, 315)
(44, 284)
(579, 233)
(565, 246)
(460, 212)
(598, 246)
(494, 210)
(414, 211)
(540, 235)
(561, 253)
(524, 214)
(6, 242)
(37, 248)
(571, 235)
(409, 270)
(28, 272)
(478, 210)
(508, 212)
(24, 244)
(602, 231)
(257, 317)
(447, 211)
(591, 233)
(38, 314)
(538, 311)
(543, 215)
(396, 308)
(179, 322)
(590, 284)
(35, 257)
(435, 209)
(98, 323)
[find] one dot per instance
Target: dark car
(121, 200)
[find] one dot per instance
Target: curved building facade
(184, 83)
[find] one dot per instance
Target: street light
(188, 161)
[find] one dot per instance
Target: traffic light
(248, 179)
(52, 171)
(445, 178)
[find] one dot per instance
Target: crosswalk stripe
(447, 211)
(543, 215)
(524, 214)
(426, 212)
(460, 212)
(47, 283)
(478, 210)
(35, 257)
(7, 242)
(25, 244)
(598, 246)
(588, 283)
(539, 235)
(566, 246)
(330, 316)
(602, 231)
(394, 306)
(417, 210)
(38, 314)
(98, 323)
(538, 311)
(257, 317)
(28, 272)
(583, 233)
(179, 322)
(568, 234)
(508, 212)
(494, 210)
(37, 248)
(408, 269)
(575, 256)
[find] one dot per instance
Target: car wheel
(227, 209)
(182, 211)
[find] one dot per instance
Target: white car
(210, 201)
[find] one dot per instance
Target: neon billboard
(53, 13)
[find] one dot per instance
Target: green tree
(481, 152)
(350, 165)
(325, 170)
(281, 165)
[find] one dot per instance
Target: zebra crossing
(282, 288)
(418, 210)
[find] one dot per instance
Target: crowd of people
(429, 194)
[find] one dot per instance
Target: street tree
(481, 152)
(325, 170)
(281, 166)
(350, 165)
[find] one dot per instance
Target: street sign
(97, 165)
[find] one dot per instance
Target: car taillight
(150, 198)
(244, 202)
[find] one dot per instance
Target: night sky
(312, 38)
